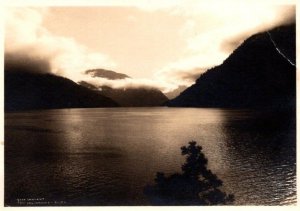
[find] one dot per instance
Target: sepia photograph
(150, 103)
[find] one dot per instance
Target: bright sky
(161, 45)
(139, 42)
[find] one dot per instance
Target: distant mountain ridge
(131, 96)
(29, 91)
(256, 74)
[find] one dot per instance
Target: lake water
(106, 156)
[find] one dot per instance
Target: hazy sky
(162, 45)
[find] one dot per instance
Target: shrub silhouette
(196, 185)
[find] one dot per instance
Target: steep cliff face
(259, 73)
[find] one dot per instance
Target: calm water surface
(105, 156)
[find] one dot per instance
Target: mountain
(108, 74)
(27, 91)
(259, 73)
(135, 97)
(131, 97)
(128, 97)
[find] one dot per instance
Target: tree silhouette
(196, 185)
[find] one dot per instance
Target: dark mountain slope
(256, 74)
(26, 91)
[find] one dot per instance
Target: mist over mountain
(21, 62)
(261, 72)
(172, 94)
(30, 85)
(140, 96)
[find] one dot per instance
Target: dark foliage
(196, 185)
(254, 75)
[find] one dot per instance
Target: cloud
(214, 32)
(31, 47)
(25, 34)
(275, 16)
(25, 63)
(183, 72)
(180, 77)
(210, 33)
